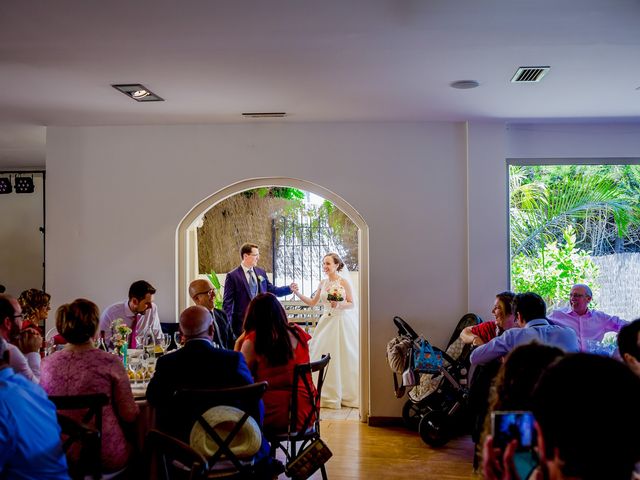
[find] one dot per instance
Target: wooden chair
(310, 429)
(88, 438)
(223, 463)
(167, 458)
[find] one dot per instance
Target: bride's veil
(353, 313)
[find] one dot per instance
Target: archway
(186, 248)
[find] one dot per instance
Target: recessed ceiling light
(464, 84)
(264, 115)
(138, 92)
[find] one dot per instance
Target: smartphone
(513, 425)
(516, 425)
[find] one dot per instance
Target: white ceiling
(329, 60)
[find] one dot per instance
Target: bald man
(203, 293)
(198, 364)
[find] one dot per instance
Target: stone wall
(619, 279)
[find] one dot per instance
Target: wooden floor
(381, 453)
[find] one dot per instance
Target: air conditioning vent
(264, 115)
(529, 74)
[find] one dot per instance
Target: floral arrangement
(119, 333)
(260, 278)
(335, 293)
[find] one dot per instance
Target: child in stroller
(438, 394)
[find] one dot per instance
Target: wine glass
(177, 338)
(164, 341)
(136, 365)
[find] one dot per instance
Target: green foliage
(554, 269)
(287, 193)
(541, 210)
(213, 278)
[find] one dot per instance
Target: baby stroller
(438, 393)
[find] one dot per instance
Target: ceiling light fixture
(5, 185)
(464, 84)
(138, 92)
(24, 184)
(264, 115)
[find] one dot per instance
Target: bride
(336, 334)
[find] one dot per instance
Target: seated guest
(198, 364)
(203, 293)
(35, 308)
(24, 347)
(629, 345)
(502, 311)
(517, 378)
(80, 368)
(137, 312)
(29, 432)
(272, 348)
(585, 431)
(529, 309)
(588, 324)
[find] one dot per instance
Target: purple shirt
(590, 326)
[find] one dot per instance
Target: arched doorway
(186, 248)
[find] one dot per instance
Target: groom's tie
(253, 286)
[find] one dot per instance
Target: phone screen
(513, 425)
(516, 425)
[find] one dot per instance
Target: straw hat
(223, 418)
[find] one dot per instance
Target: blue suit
(237, 294)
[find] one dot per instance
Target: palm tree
(593, 205)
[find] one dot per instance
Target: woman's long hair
(267, 318)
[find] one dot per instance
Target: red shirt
(486, 330)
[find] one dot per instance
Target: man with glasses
(203, 293)
(244, 283)
(26, 359)
(589, 325)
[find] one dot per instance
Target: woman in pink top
(80, 369)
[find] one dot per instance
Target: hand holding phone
(507, 426)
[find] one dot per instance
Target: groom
(244, 283)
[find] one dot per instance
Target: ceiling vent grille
(264, 115)
(529, 74)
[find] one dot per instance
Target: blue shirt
(29, 433)
(539, 330)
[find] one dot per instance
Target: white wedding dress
(337, 334)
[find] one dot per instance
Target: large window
(577, 224)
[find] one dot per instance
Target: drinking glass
(136, 366)
(164, 341)
(177, 338)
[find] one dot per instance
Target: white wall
(115, 196)
(21, 244)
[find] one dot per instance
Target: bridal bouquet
(335, 294)
(119, 334)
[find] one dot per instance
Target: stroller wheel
(411, 415)
(434, 428)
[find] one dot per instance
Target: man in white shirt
(137, 312)
(27, 363)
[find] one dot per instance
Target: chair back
(199, 401)
(302, 374)
(87, 438)
(167, 458)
